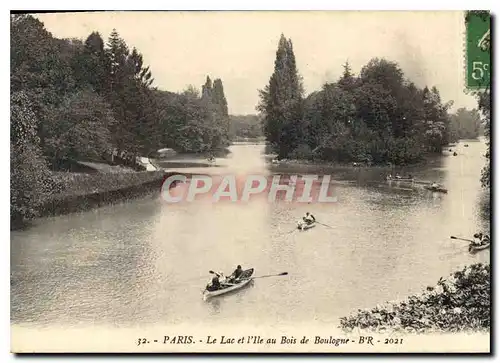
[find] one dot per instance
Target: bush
(30, 180)
(302, 152)
(460, 303)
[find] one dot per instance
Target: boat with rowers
(227, 286)
(480, 242)
(397, 178)
(303, 226)
(436, 188)
(474, 248)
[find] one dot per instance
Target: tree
(40, 67)
(281, 102)
(465, 124)
(81, 128)
(378, 117)
(436, 119)
(347, 81)
(92, 65)
(30, 181)
(484, 102)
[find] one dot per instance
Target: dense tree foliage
(378, 116)
(90, 97)
(282, 102)
(484, 102)
(465, 124)
(30, 180)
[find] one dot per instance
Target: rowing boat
(243, 280)
(410, 180)
(474, 248)
(438, 189)
(305, 226)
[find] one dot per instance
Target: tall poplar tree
(281, 102)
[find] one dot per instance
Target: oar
(215, 273)
(260, 277)
(462, 239)
(326, 225)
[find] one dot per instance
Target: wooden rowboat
(243, 280)
(408, 180)
(474, 248)
(301, 225)
(438, 189)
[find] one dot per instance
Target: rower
(215, 285)
(222, 278)
(237, 273)
(478, 238)
(309, 218)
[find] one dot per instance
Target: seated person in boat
(485, 239)
(434, 185)
(480, 239)
(398, 176)
(309, 218)
(236, 274)
(389, 176)
(477, 239)
(222, 278)
(214, 285)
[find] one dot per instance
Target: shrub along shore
(459, 303)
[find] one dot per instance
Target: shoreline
(75, 200)
(334, 164)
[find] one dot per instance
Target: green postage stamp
(478, 54)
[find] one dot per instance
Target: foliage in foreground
(459, 303)
(30, 180)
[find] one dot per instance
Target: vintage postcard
(239, 182)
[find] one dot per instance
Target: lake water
(144, 263)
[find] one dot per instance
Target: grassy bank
(79, 192)
(459, 303)
(78, 184)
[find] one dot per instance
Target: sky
(182, 48)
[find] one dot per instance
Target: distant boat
(436, 189)
(474, 248)
(303, 226)
(408, 179)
